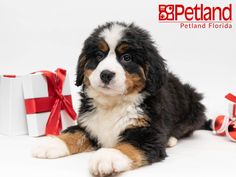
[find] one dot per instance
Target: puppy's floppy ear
(80, 69)
(156, 72)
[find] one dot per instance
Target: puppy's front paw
(49, 147)
(108, 161)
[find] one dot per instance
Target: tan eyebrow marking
(102, 45)
(122, 48)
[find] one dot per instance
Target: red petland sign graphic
(197, 16)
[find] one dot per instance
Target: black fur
(172, 108)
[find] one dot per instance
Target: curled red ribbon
(54, 103)
(225, 125)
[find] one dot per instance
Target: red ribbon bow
(54, 103)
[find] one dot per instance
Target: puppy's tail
(207, 125)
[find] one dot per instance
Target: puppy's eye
(126, 58)
(100, 55)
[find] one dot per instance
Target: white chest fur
(106, 124)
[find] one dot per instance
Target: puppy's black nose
(106, 76)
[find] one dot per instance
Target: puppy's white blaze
(106, 161)
(111, 63)
(49, 147)
(112, 35)
(172, 141)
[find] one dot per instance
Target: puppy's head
(120, 59)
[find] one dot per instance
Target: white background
(47, 34)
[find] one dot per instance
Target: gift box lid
(35, 86)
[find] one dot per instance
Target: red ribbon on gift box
(55, 102)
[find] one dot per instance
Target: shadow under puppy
(131, 109)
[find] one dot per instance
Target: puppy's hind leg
(193, 116)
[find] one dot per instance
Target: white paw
(108, 161)
(172, 141)
(49, 147)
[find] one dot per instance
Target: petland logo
(198, 16)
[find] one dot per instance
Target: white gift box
(12, 107)
(36, 86)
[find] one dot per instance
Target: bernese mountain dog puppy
(131, 109)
